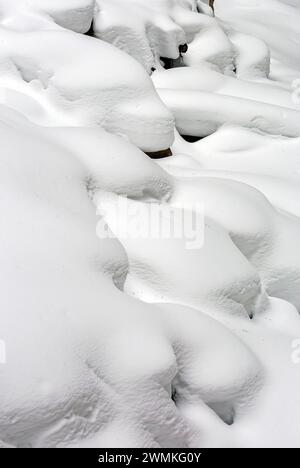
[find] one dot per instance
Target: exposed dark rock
(160, 154)
(183, 48)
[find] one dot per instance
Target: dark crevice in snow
(191, 139)
(174, 395)
(90, 32)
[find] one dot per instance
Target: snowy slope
(114, 333)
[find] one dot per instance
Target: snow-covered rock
(206, 270)
(146, 30)
(72, 338)
(252, 56)
(101, 153)
(76, 15)
(202, 78)
(194, 94)
(211, 45)
(83, 82)
(196, 115)
(276, 22)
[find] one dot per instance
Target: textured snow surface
(119, 341)
(76, 15)
(146, 30)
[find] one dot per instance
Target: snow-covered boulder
(83, 82)
(252, 56)
(146, 30)
(263, 231)
(280, 31)
(203, 99)
(202, 78)
(84, 361)
(102, 152)
(210, 44)
(150, 30)
(76, 15)
(204, 267)
(195, 93)
(195, 113)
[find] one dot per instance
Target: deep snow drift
(149, 340)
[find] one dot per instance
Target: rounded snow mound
(76, 15)
(84, 361)
(84, 82)
(145, 30)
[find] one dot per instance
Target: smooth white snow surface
(276, 22)
(149, 340)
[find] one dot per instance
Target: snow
(252, 59)
(114, 333)
(280, 32)
(100, 92)
(195, 94)
(76, 15)
(102, 152)
(145, 30)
